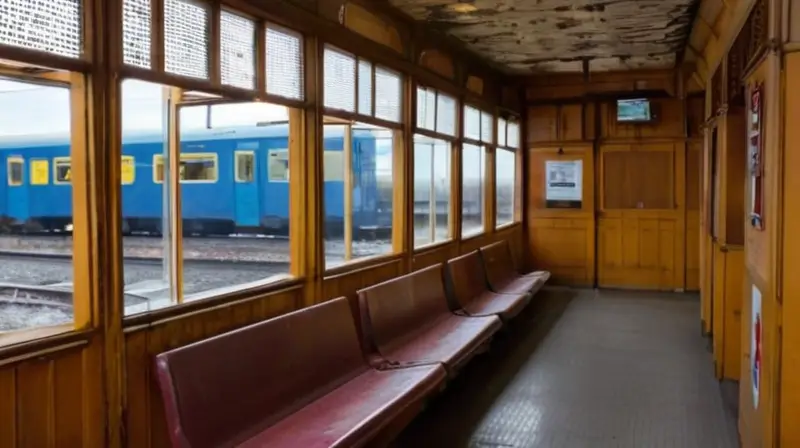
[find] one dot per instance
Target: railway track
(146, 261)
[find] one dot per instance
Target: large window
(358, 156)
(506, 172)
(432, 215)
(205, 180)
(36, 215)
(478, 131)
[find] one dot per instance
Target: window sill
(360, 265)
(472, 236)
(430, 247)
(16, 346)
(505, 226)
(212, 299)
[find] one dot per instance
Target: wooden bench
(467, 282)
(503, 276)
(407, 321)
(298, 380)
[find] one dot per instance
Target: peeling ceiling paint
(532, 36)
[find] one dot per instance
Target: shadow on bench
(298, 380)
(407, 322)
(503, 276)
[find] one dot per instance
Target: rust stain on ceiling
(532, 36)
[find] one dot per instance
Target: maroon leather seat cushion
(352, 413)
(491, 303)
(230, 388)
(471, 290)
(407, 320)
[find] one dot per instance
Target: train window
(195, 168)
(62, 172)
(15, 167)
(245, 166)
(278, 165)
(40, 172)
(158, 168)
(128, 173)
(334, 165)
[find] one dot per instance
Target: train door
(16, 189)
(246, 189)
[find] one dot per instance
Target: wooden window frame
(432, 200)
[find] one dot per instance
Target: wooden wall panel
(51, 400)
(638, 250)
(694, 164)
(429, 257)
(790, 351)
(561, 240)
(565, 247)
(563, 122)
(144, 419)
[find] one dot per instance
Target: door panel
(246, 189)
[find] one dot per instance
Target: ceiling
(539, 36)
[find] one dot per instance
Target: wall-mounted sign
(756, 153)
(563, 183)
(756, 352)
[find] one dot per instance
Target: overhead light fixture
(462, 7)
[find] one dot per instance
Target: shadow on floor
(437, 426)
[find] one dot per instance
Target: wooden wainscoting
(727, 302)
(144, 420)
(53, 398)
(694, 163)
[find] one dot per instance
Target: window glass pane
(513, 134)
(364, 87)
(186, 39)
(487, 130)
(501, 132)
(278, 165)
(340, 80)
(237, 52)
(387, 94)
(52, 26)
(472, 187)
(358, 192)
(15, 170)
(472, 123)
(505, 175)
(35, 128)
(426, 109)
(284, 63)
(235, 217)
(136, 24)
(62, 173)
(431, 190)
(445, 114)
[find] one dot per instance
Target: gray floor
(587, 369)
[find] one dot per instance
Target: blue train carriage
(225, 186)
(372, 186)
(31, 195)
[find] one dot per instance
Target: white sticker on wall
(756, 352)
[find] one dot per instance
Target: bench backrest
(232, 386)
(396, 308)
(466, 277)
(498, 262)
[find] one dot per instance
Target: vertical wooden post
(347, 150)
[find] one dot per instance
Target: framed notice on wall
(755, 150)
(563, 183)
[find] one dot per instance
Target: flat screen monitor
(634, 111)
